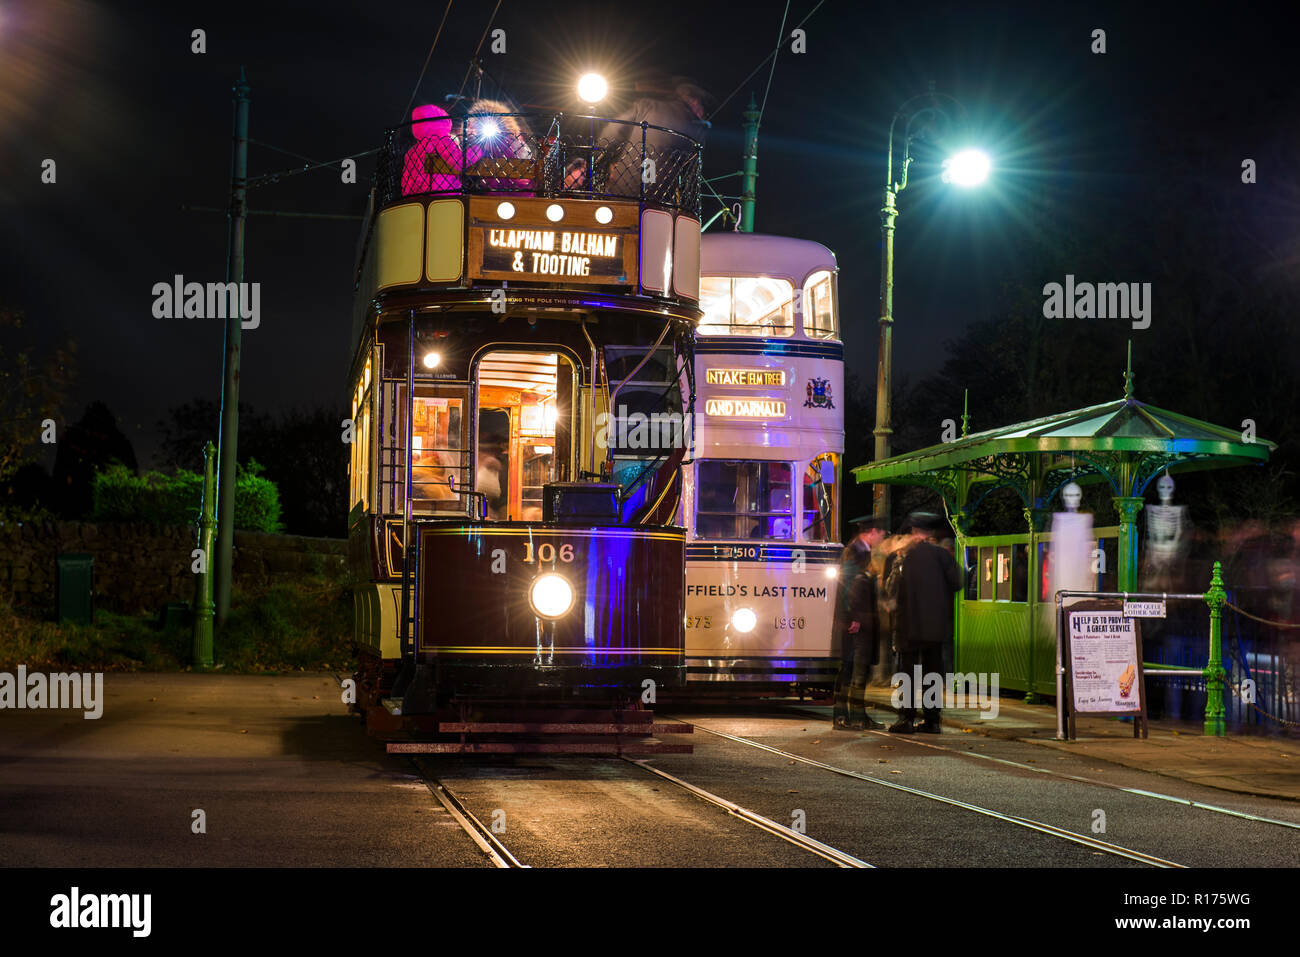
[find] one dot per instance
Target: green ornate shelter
(1004, 619)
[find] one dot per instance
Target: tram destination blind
(553, 255)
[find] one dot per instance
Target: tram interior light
(431, 360)
(744, 620)
(592, 87)
(555, 212)
(551, 596)
(967, 168)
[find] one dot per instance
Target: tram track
(766, 824)
(480, 833)
(1105, 847)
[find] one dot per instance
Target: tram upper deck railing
(539, 154)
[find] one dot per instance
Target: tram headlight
(743, 620)
(551, 596)
(831, 571)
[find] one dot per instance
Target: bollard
(203, 604)
(1214, 673)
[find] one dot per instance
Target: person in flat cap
(856, 625)
(922, 579)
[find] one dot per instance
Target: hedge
(160, 499)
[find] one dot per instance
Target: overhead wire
(420, 79)
(763, 63)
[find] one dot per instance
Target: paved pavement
(285, 776)
(1263, 765)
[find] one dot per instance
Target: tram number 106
(780, 623)
(546, 552)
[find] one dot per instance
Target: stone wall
(139, 568)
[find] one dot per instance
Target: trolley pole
(228, 447)
(885, 348)
(1216, 598)
(202, 635)
(749, 170)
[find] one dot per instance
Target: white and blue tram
(761, 496)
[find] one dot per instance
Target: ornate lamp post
(966, 168)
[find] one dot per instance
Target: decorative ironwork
(540, 154)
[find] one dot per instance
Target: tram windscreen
(646, 424)
(744, 500)
(523, 438)
(746, 306)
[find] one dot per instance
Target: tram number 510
(546, 552)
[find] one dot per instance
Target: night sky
(140, 126)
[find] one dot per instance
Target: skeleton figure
(1166, 545)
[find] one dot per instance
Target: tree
(89, 445)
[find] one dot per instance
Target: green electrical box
(76, 588)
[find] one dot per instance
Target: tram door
(522, 441)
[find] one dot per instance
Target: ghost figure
(1165, 489)
(1166, 545)
(1070, 557)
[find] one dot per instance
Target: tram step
(486, 727)
(535, 747)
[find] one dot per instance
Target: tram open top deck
(583, 212)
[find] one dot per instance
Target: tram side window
(747, 306)
(359, 464)
(819, 306)
(438, 455)
(821, 501)
(744, 500)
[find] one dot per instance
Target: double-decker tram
(525, 301)
(761, 502)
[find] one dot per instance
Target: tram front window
(744, 500)
(819, 306)
(523, 437)
(748, 306)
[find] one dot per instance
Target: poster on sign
(1103, 663)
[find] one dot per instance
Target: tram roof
(1125, 442)
(755, 254)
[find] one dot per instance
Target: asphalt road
(286, 777)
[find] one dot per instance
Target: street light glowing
(967, 168)
(592, 87)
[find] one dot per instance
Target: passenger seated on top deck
(432, 165)
(500, 144)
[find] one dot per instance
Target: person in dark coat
(855, 626)
(923, 578)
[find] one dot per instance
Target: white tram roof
(757, 254)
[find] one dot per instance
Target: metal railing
(540, 154)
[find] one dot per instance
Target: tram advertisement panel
(760, 600)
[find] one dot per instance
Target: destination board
(744, 377)
(553, 254)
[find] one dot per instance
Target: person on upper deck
(433, 164)
(500, 143)
(679, 108)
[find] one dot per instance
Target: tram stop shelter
(1005, 616)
